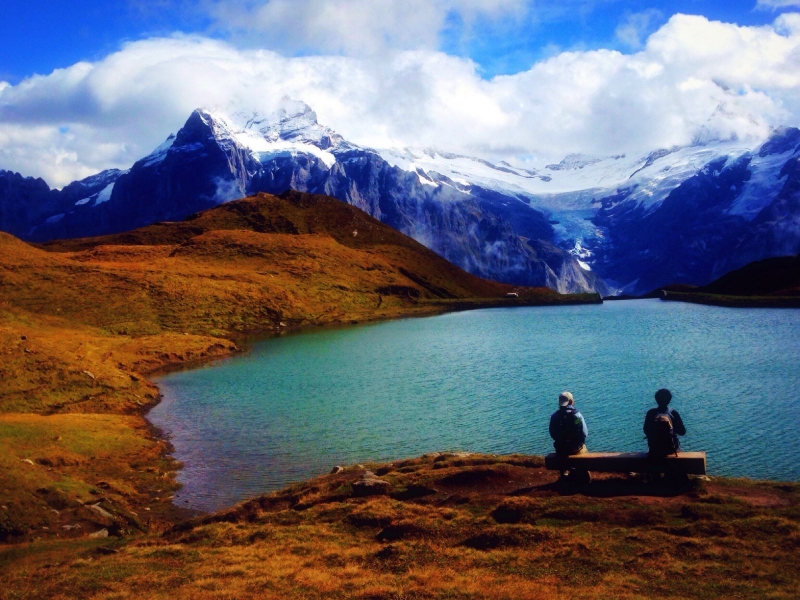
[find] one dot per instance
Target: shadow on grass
(618, 486)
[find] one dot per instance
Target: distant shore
(732, 301)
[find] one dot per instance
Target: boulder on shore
(371, 485)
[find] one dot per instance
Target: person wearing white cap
(568, 427)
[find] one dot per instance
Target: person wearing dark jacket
(568, 427)
(654, 431)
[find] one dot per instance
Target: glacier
(613, 224)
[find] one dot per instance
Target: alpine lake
(486, 381)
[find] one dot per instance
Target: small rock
(23, 337)
(282, 324)
(90, 374)
(336, 469)
(4, 507)
(100, 510)
(70, 527)
(103, 533)
(147, 508)
(370, 485)
(27, 460)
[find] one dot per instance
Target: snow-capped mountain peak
(292, 121)
(625, 222)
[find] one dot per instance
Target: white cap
(564, 398)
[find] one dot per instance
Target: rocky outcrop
(370, 485)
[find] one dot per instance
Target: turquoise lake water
(487, 381)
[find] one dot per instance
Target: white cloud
(636, 26)
(694, 78)
(776, 4)
(352, 27)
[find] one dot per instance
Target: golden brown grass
(452, 527)
(83, 323)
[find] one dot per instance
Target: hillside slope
(769, 277)
(456, 526)
(86, 487)
(83, 322)
(772, 282)
(309, 220)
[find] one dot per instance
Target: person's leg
(580, 477)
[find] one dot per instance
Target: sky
(89, 85)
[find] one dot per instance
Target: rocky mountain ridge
(613, 224)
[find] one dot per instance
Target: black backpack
(571, 429)
(662, 439)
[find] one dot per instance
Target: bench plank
(690, 463)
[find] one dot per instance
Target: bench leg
(581, 477)
(575, 477)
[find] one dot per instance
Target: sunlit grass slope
(83, 322)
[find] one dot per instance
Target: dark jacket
(568, 430)
(677, 423)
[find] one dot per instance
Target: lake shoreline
(608, 434)
(244, 341)
(447, 525)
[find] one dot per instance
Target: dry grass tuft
(341, 546)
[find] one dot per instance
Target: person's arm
(553, 432)
(677, 423)
(583, 425)
(648, 423)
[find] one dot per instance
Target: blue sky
(37, 36)
(90, 85)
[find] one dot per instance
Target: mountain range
(616, 224)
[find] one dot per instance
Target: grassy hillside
(448, 526)
(769, 277)
(83, 322)
(772, 282)
(86, 485)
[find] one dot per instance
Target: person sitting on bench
(662, 426)
(568, 428)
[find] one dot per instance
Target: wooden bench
(685, 463)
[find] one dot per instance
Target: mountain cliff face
(586, 224)
(733, 211)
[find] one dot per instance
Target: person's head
(565, 399)
(663, 396)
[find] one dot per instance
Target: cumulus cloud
(352, 27)
(693, 79)
(635, 27)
